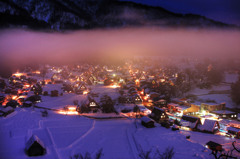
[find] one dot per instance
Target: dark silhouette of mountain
(88, 14)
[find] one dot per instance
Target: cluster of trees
(107, 104)
(235, 92)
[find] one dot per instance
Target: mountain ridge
(73, 15)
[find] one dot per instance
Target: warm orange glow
(115, 86)
(85, 92)
(70, 110)
(19, 74)
(145, 97)
(137, 81)
(37, 72)
(26, 85)
(14, 97)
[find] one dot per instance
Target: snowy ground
(219, 93)
(67, 135)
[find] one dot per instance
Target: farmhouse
(234, 131)
(214, 146)
(147, 122)
(212, 107)
(158, 114)
(35, 147)
(226, 114)
(190, 121)
(211, 126)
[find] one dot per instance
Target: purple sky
(227, 11)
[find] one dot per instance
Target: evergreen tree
(235, 92)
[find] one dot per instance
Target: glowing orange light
(18, 74)
(85, 92)
(115, 86)
(37, 72)
(14, 97)
(71, 108)
(137, 81)
(68, 112)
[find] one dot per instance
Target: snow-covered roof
(189, 121)
(208, 125)
(223, 112)
(146, 119)
(32, 140)
(233, 129)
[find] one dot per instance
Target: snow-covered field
(67, 135)
(219, 93)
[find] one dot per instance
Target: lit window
(92, 104)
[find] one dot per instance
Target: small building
(211, 126)
(137, 99)
(226, 114)
(160, 103)
(35, 147)
(147, 122)
(190, 121)
(27, 104)
(212, 107)
(234, 131)
(214, 146)
(158, 114)
(12, 103)
(34, 98)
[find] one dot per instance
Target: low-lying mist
(19, 47)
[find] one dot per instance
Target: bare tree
(228, 155)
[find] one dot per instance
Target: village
(147, 93)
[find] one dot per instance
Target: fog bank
(21, 46)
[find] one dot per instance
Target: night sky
(227, 11)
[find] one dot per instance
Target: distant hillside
(88, 14)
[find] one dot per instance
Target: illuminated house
(92, 104)
(158, 114)
(137, 99)
(211, 126)
(226, 114)
(160, 103)
(190, 121)
(234, 131)
(79, 88)
(212, 107)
